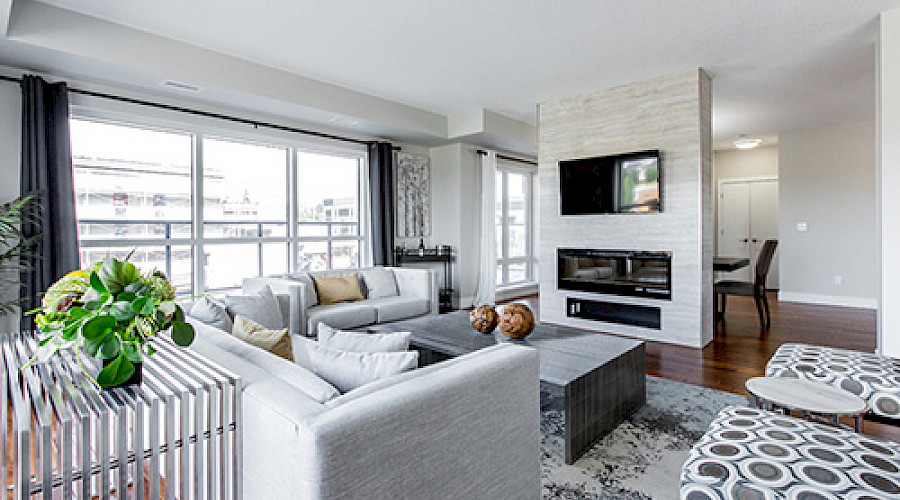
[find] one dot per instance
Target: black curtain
(381, 189)
(47, 170)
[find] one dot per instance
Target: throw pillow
(261, 307)
(363, 342)
(311, 298)
(380, 283)
(349, 370)
(278, 342)
(333, 289)
(212, 313)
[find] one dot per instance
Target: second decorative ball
(516, 321)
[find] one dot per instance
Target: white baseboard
(465, 302)
(828, 300)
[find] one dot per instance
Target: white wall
(10, 164)
(827, 180)
(889, 183)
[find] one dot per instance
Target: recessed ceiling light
(186, 87)
(744, 142)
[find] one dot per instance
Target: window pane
(517, 273)
(228, 264)
(327, 188)
(499, 274)
(312, 229)
(518, 241)
(312, 255)
(175, 262)
(275, 258)
(125, 173)
(241, 183)
(344, 254)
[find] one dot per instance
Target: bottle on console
(421, 247)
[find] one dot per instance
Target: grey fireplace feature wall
(671, 114)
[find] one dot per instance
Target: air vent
(185, 87)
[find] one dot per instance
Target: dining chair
(756, 289)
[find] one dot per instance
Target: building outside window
(515, 253)
(135, 194)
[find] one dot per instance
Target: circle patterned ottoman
(755, 454)
(874, 378)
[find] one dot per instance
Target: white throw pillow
(362, 342)
(379, 283)
(312, 298)
(261, 307)
(302, 346)
(212, 313)
(349, 370)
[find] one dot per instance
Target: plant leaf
(97, 284)
(116, 372)
(109, 346)
(123, 311)
(98, 327)
(92, 347)
(182, 333)
(116, 275)
(132, 351)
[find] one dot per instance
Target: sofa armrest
(471, 430)
(296, 314)
(421, 283)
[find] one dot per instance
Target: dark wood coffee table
(601, 376)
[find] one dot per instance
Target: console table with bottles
(442, 254)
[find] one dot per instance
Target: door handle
(744, 240)
(754, 240)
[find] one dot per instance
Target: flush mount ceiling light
(184, 87)
(744, 142)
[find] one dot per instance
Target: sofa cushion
(278, 342)
(397, 308)
(311, 298)
(362, 342)
(261, 307)
(379, 283)
(212, 313)
(255, 365)
(334, 289)
(349, 370)
(342, 315)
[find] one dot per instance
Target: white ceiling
(776, 64)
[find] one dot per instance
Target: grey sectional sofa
(415, 293)
(462, 428)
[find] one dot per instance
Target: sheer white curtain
(487, 272)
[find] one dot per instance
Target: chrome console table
(176, 435)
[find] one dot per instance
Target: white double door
(748, 216)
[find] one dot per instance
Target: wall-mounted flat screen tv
(618, 184)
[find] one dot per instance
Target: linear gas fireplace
(616, 272)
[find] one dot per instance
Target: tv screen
(626, 183)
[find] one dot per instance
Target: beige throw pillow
(333, 289)
(278, 342)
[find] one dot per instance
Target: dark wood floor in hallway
(740, 351)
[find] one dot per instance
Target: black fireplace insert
(616, 272)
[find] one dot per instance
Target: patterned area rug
(640, 459)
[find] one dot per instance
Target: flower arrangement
(112, 311)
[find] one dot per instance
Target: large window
(515, 259)
(266, 208)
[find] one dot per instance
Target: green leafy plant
(14, 246)
(112, 311)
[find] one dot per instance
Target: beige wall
(741, 164)
(889, 183)
(671, 114)
(10, 163)
(828, 181)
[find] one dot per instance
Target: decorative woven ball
(484, 318)
(516, 321)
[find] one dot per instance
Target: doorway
(748, 216)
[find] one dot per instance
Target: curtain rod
(208, 114)
(510, 158)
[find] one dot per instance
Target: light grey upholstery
(341, 315)
(464, 428)
(418, 284)
(396, 308)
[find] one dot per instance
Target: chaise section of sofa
(463, 428)
(415, 294)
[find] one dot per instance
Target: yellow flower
(78, 273)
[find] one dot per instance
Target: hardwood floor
(739, 351)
